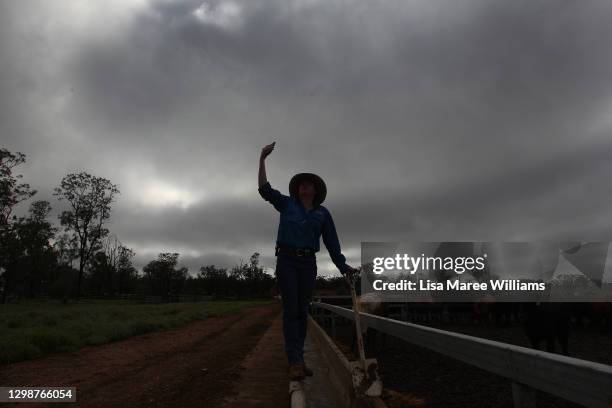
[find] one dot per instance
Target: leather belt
(294, 251)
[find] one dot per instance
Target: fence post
(523, 396)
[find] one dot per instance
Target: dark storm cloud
(428, 120)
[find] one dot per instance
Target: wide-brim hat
(317, 181)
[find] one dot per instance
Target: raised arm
(278, 200)
(262, 163)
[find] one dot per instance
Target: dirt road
(194, 366)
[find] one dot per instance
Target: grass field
(33, 330)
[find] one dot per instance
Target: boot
(296, 372)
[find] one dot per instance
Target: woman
(303, 220)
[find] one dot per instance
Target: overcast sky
(429, 120)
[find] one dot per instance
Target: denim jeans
(296, 278)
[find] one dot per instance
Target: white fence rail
(580, 381)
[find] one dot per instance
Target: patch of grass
(13, 348)
(36, 329)
(51, 340)
(13, 324)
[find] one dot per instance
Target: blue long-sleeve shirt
(301, 228)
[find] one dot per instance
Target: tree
(127, 275)
(10, 257)
(164, 278)
(99, 278)
(66, 249)
(111, 246)
(11, 191)
(34, 234)
(251, 278)
(111, 268)
(214, 279)
(104, 266)
(90, 201)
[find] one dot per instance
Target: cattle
(593, 316)
(547, 322)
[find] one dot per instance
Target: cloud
(428, 120)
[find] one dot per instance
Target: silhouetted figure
(547, 322)
(303, 221)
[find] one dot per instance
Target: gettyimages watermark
(487, 271)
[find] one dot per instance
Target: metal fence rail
(580, 381)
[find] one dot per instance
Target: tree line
(82, 258)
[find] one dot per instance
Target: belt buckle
(300, 252)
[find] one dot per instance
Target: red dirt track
(194, 366)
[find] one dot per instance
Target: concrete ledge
(340, 368)
(298, 400)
